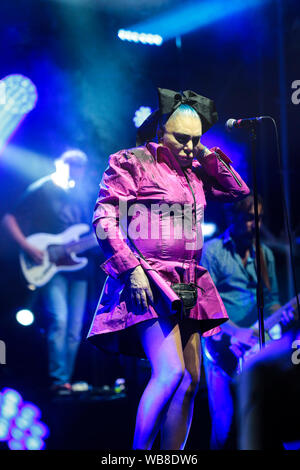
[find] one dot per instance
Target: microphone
(231, 123)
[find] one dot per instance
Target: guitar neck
(276, 317)
(81, 245)
(233, 331)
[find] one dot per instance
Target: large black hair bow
(169, 101)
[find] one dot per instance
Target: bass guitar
(230, 348)
(59, 253)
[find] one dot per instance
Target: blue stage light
(29, 413)
(140, 115)
(18, 96)
(293, 445)
(189, 16)
(34, 443)
(19, 422)
(11, 397)
(39, 429)
(208, 229)
(15, 445)
(9, 410)
(17, 434)
(25, 317)
(140, 37)
(4, 429)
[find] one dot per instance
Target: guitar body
(56, 257)
(230, 351)
(219, 349)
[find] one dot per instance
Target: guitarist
(51, 205)
(230, 260)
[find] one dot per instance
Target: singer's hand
(140, 289)
(203, 151)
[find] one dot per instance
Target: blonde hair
(183, 109)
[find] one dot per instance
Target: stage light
(4, 429)
(25, 317)
(61, 175)
(17, 434)
(29, 413)
(188, 17)
(11, 396)
(15, 445)
(11, 401)
(17, 158)
(140, 37)
(208, 229)
(19, 422)
(34, 443)
(18, 96)
(293, 445)
(39, 429)
(140, 115)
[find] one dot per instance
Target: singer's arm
(220, 180)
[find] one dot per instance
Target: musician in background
(51, 205)
(230, 260)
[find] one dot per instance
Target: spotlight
(34, 443)
(11, 396)
(4, 429)
(140, 115)
(19, 422)
(144, 38)
(25, 317)
(18, 96)
(15, 445)
(208, 229)
(188, 16)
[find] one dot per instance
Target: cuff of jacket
(212, 161)
(120, 262)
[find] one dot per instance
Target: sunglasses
(184, 139)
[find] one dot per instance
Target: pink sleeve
(118, 187)
(220, 180)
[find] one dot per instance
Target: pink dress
(137, 192)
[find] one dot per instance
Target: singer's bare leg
(178, 418)
(162, 344)
(167, 402)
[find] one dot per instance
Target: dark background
(90, 83)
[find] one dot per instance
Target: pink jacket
(138, 191)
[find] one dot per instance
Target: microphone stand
(259, 288)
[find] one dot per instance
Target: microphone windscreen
(230, 124)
